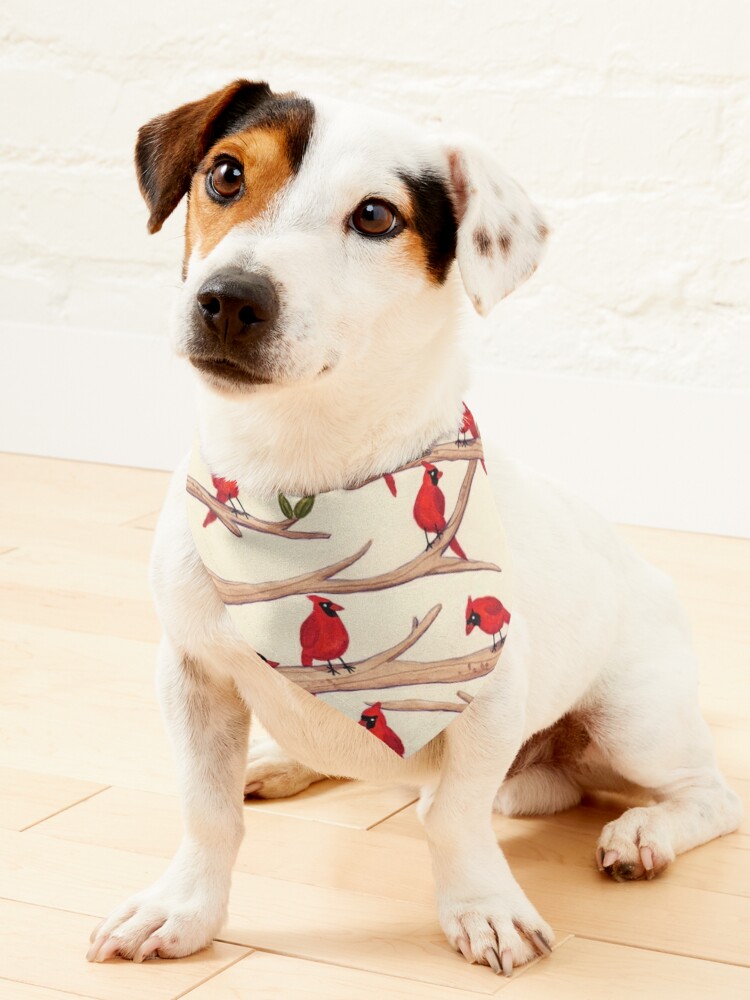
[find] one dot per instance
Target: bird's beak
(469, 627)
(336, 607)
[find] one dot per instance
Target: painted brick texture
(628, 123)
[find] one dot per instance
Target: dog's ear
(170, 147)
(501, 234)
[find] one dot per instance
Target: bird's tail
(210, 517)
(390, 482)
(483, 466)
(453, 544)
(307, 660)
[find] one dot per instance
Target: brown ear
(170, 147)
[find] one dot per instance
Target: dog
(328, 248)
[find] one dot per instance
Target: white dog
(319, 308)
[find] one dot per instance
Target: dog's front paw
(497, 931)
(272, 774)
(156, 924)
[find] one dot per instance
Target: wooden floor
(332, 895)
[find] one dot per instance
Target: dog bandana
(390, 600)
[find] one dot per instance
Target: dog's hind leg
(539, 790)
(272, 774)
(542, 780)
(652, 733)
(184, 909)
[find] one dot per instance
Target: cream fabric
(367, 597)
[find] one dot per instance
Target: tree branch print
(468, 450)
(234, 521)
(432, 562)
(384, 669)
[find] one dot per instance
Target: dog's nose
(233, 304)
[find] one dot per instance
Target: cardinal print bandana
(390, 601)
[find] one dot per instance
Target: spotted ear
(170, 147)
(501, 234)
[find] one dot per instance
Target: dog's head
(313, 226)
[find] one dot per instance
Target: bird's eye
(375, 217)
(224, 181)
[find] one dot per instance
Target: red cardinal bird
(226, 489)
(271, 663)
(323, 635)
(373, 719)
(468, 426)
(429, 508)
(488, 614)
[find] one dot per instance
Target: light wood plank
(276, 977)
(396, 937)
(275, 846)
(357, 804)
(392, 859)
(85, 491)
(554, 864)
(70, 703)
(569, 839)
(21, 527)
(27, 798)
(583, 968)
(145, 523)
(121, 618)
(45, 948)
(54, 566)
(27, 991)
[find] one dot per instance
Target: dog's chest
(389, 601)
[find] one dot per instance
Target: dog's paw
(271, 774)
(497, 932)
(152, 924)
(636, 845)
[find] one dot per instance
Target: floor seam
(219, 972)
(71, 805)
(665, 951)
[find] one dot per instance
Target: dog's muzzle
(234, 313)
(234, 307)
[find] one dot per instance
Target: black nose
(233, 304)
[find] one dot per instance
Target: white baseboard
(657, 455)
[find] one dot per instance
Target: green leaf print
(303, 507)
(286, 507)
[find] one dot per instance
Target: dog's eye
(374, 217)
(224, 181)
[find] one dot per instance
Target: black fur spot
(434, 219)
(292, 114)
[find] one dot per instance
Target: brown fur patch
(560, 745)
(264, 155)
(482, 242)
(170, 147)
(504, 241)
(542, 231)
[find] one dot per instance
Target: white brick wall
(628, 121)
